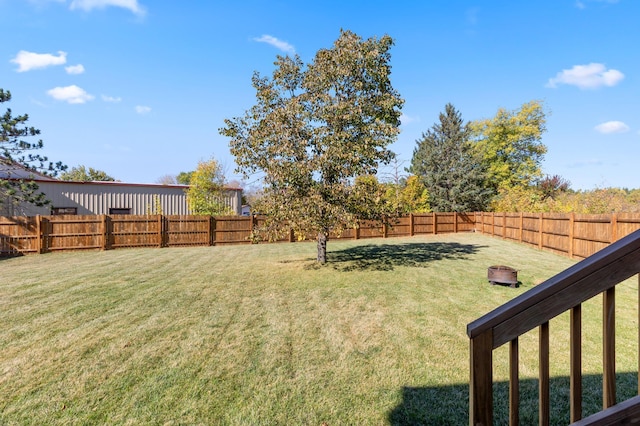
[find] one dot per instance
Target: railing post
(481, 381)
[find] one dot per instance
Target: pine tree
(18, 162)
(444, 161)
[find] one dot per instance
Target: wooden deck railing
(597, 274)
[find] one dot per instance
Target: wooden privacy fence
(569, 234)
(41, 234)
(573, 235)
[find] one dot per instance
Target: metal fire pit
(500, 274)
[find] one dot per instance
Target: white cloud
(612, 127)
(30, 61)
(88, 5)
(582, 4)
(111, 99)
(282, 45)
(74, 69)
(141, 109)
(71, 94)
(589, 76)
(405, 119)
(586, 163)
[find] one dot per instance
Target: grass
(260, 335)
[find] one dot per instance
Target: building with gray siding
(113, 198)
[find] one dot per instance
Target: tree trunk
(323, 237)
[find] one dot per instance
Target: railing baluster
(514, 384)
(544, 400)
(575, 354)
(608, 348)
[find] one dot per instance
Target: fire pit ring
(500, 274)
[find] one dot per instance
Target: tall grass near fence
(259, 334)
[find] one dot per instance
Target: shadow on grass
(449, 405)
(385, 257)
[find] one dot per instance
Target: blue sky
(139, 88)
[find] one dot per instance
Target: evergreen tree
(19, 165)
(444, 161)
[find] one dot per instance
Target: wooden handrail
(625, 413)
(566, 291)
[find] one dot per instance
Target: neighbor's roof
(9, 170)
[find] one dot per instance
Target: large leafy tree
(82, 174)
(510, 145)
(206, 191)
(19, 163)
(444, 161)
(316, 127)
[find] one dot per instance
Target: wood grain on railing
(566, 291)
(575, 361)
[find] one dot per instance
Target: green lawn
(260, 335)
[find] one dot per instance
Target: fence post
(540, 232)
(504, 225)
(435, 223)
(572, 220)
(521, 226)
(357, 231)
(455, 222)
(39, 235)
(493, 224)
(411, 232)
(212, 230)
(103, 220)
(160, 233)
(614, 227)
(385, 230)
(292, 237)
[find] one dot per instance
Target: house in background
(109, 198)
